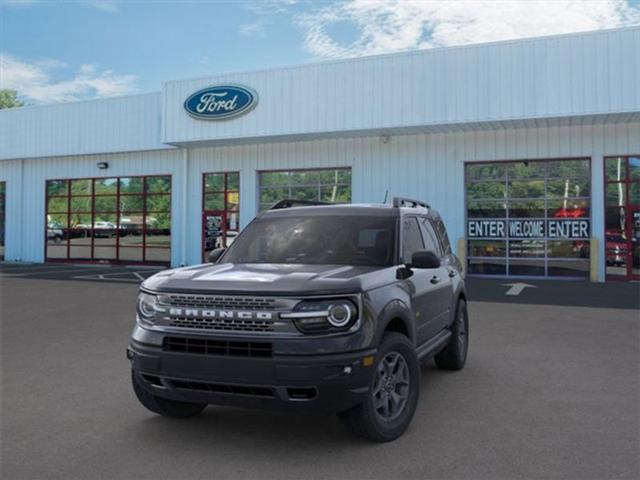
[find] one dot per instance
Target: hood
(270, 279)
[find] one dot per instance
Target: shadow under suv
(313, 307)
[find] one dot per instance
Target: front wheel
(393, 393)
(162, 406)
(454, 355)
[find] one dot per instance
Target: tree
(9, 99)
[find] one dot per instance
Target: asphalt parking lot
(551, 390)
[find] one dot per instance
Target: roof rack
(290, 202)
(399, 202)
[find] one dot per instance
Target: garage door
(119, 220)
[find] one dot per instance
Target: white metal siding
(554, 77)
(425, 166)
(11, 173)
(26, 206)
(97, 126)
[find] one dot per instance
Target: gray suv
(314, 307)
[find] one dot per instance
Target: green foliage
(9, 99)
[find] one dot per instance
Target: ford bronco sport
(313, 307)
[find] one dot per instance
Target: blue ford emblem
(221, 102)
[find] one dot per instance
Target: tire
(162, 406)
(368, 419)
(454, 355)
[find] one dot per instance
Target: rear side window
(411, 238)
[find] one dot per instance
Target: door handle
(435, 279)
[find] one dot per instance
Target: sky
(57, 51)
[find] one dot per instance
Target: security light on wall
(102, 165)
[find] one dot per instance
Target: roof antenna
(386, 194)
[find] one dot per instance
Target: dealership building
(529, 149)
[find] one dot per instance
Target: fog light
(368, 360)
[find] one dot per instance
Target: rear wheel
(454, 356)
(162, 406)
(393, 393)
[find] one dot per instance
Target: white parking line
(113, 277)
(43, 272)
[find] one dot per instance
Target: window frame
(3, 217)
(95, 217)
(225, 210)
(507, 200)
(627, 207)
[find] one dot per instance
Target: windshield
(346, 240)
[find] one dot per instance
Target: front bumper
(324, 382)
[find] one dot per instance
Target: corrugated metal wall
(75, 128)
(425, 166)
(560, 76)
(26, 205)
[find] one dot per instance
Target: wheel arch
(396, 317)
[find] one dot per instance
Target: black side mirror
(215, 254)
(424, 259)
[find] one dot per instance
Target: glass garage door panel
(326, 185)
(528, 218)
(3, 187)
(622, 217)
(119, 219)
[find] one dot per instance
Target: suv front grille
(222, 302)
(229, 325)
(218, 347)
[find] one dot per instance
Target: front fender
(396, 310)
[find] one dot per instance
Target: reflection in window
(3, 187)
(328, 185)
(487, 248)
(109, 219)
(527, 248)
(622, 218)
(526, 193)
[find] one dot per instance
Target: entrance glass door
(220, 212)
(634, 246)
(622, 217)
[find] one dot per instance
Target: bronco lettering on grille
(222, 314)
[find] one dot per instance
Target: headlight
(340, 314)
(147, 307)
(324, 316)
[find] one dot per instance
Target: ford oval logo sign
(221, 102)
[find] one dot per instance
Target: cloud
(34, 81)
(252, 29)
(387, 26)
